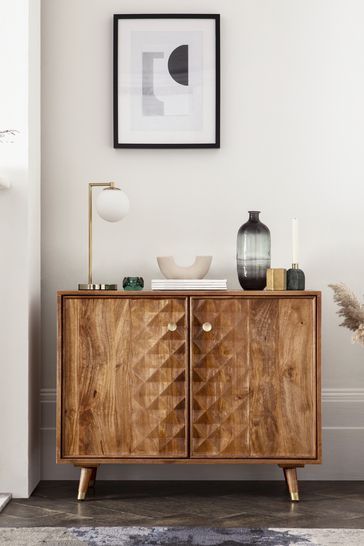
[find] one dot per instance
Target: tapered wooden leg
(86, 476)
(290, 474)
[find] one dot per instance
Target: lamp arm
(90, 208)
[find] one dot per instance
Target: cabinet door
(123, 377)
(254, 378)
(220, 378)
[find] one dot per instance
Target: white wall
(34, 239)
(20, 247)
(292, 118)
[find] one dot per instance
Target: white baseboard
(343, 448)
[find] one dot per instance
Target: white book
(189, 284)
(177, 284)
(189, 287)
(189, 281)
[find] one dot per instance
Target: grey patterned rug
(179, 536)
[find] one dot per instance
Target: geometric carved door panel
(254, 378)
(124, 377)
(220, 378)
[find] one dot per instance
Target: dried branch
(351, 310)
(4, 135)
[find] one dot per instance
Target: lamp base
(97, 286)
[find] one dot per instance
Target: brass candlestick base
(97, 286)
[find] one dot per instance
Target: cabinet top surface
(190, 293)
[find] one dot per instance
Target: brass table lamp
(112, 205)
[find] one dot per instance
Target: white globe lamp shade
(112, 204)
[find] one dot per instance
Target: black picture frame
(117, 17)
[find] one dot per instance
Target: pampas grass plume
(351, 310)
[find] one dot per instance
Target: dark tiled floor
(213, 504)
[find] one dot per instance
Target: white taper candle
(294, 241)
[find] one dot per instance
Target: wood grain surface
(282, 385)
(124, 378)
(131, 390)
(254, 380)
(220, 378)
(188, 293)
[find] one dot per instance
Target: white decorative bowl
(198, 270)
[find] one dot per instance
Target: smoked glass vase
(253, 253)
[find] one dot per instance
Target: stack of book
(189, 284)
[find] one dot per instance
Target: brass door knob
(172, 326)
(207, 327)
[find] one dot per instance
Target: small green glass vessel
(133, 283)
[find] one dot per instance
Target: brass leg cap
(295, 497)
(81, 496)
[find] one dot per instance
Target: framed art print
(167, 81)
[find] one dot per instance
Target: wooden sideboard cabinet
(188, 378)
